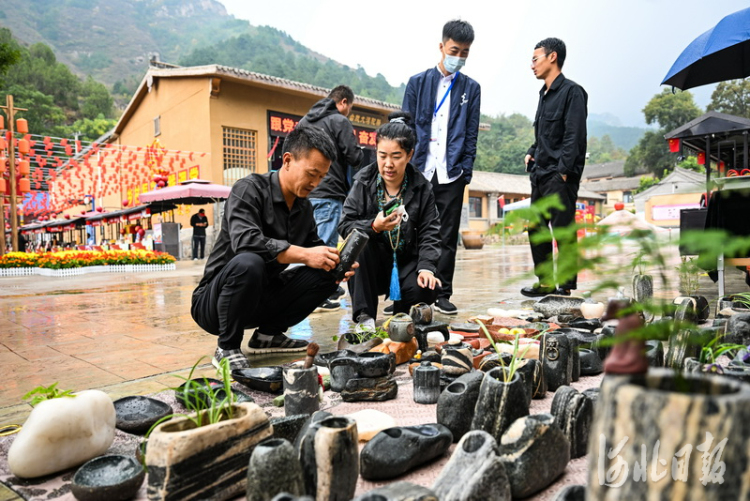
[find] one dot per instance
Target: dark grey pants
(543, 186)
(241, 296)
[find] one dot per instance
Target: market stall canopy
(130, 213)
(722, 53)
(57, 225)
(623, 222)
(192, 192)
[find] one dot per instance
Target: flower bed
(69, 263)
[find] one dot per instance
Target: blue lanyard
(437, 108)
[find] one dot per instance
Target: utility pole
(10, 113)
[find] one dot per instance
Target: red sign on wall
(281, 124)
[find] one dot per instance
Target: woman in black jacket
(410, 233)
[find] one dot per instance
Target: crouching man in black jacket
(268, 224)
(401, 257)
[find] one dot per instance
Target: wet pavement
(130, 334)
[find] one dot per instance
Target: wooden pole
(10, 113)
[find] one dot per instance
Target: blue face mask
(453, 63)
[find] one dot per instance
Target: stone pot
(643, 288)
(499, 403)
(401, 328)
(301, 390)
(472, 239)
(457, 359)
(274, 468)
(352, 246)
(108, 478)
(374, 364)
(185, 462)
(342, 369)
(692, 308)
(397, 450)
(455, 406)
(591, 364)
(474, 472)
(680, 346)
(535, 452)
(421, 313)
(558, 361)
(426, 383)
(592, 309)
(655, 353)
(573, 413)
(638, 411)
(399, 491)
(329, 455)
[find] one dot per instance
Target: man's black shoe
(537, 291)
(388, 310)
(445, 307)
(562, 292)
(339, 293)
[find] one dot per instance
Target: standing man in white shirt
(445, 105)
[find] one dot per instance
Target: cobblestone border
(72, 272)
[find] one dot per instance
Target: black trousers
(449, 200)
(242, 296)
(373, 278)
(199, 242)
(543, 186)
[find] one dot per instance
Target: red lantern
(22, 126)
(619, 206)
(125, 203)
(160, 184)
(23, 146)
(99, 209)
(24, 186)
(24, 168)
(122, 231)
(2, 186)
(83, 212)
(701, 158)
(67, 216)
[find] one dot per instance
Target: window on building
(475, 207)
(627, 197)
(157, 126)
(239, 154)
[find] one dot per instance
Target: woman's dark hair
(399, 129)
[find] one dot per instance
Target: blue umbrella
(722, 53)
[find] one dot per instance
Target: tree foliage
(731, 97)
(273, 52)
(668, 110)
(55, 98)
(603, 150)
(502, 148)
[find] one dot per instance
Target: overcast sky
(619, 51)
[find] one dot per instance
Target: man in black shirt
(555, 162)
(268, 224)
(199, 222)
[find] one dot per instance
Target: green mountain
(113, 40)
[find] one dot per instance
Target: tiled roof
(496, 182)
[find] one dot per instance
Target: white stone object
(63, 432)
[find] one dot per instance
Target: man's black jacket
(257, 219)
(326, 116)
(421, 233)
(560, 129)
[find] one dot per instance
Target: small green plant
(742, 298)
(42, 393)
(365, 335)
(689, 273)
(714, 349)
(510, 369)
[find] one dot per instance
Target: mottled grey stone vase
(301, 390)
(573, 413)
(342, 369)
(558, 362)
(329, 455)
(426, 383)
(455, 406)
(499, 403)
(639, 411)
(274, 468)
(591, 364)
(535, 452)
(370, 389)
(474, 472)
(209, 462)
(394, 451)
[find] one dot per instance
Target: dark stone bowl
(323, 359)
(108, 478)
(374, 364)
(137, 415)
(268, 379)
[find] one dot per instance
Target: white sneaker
(365, 324)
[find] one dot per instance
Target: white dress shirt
(436, 159)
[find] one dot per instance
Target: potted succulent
(205, 454)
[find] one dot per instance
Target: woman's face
(392, 160)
